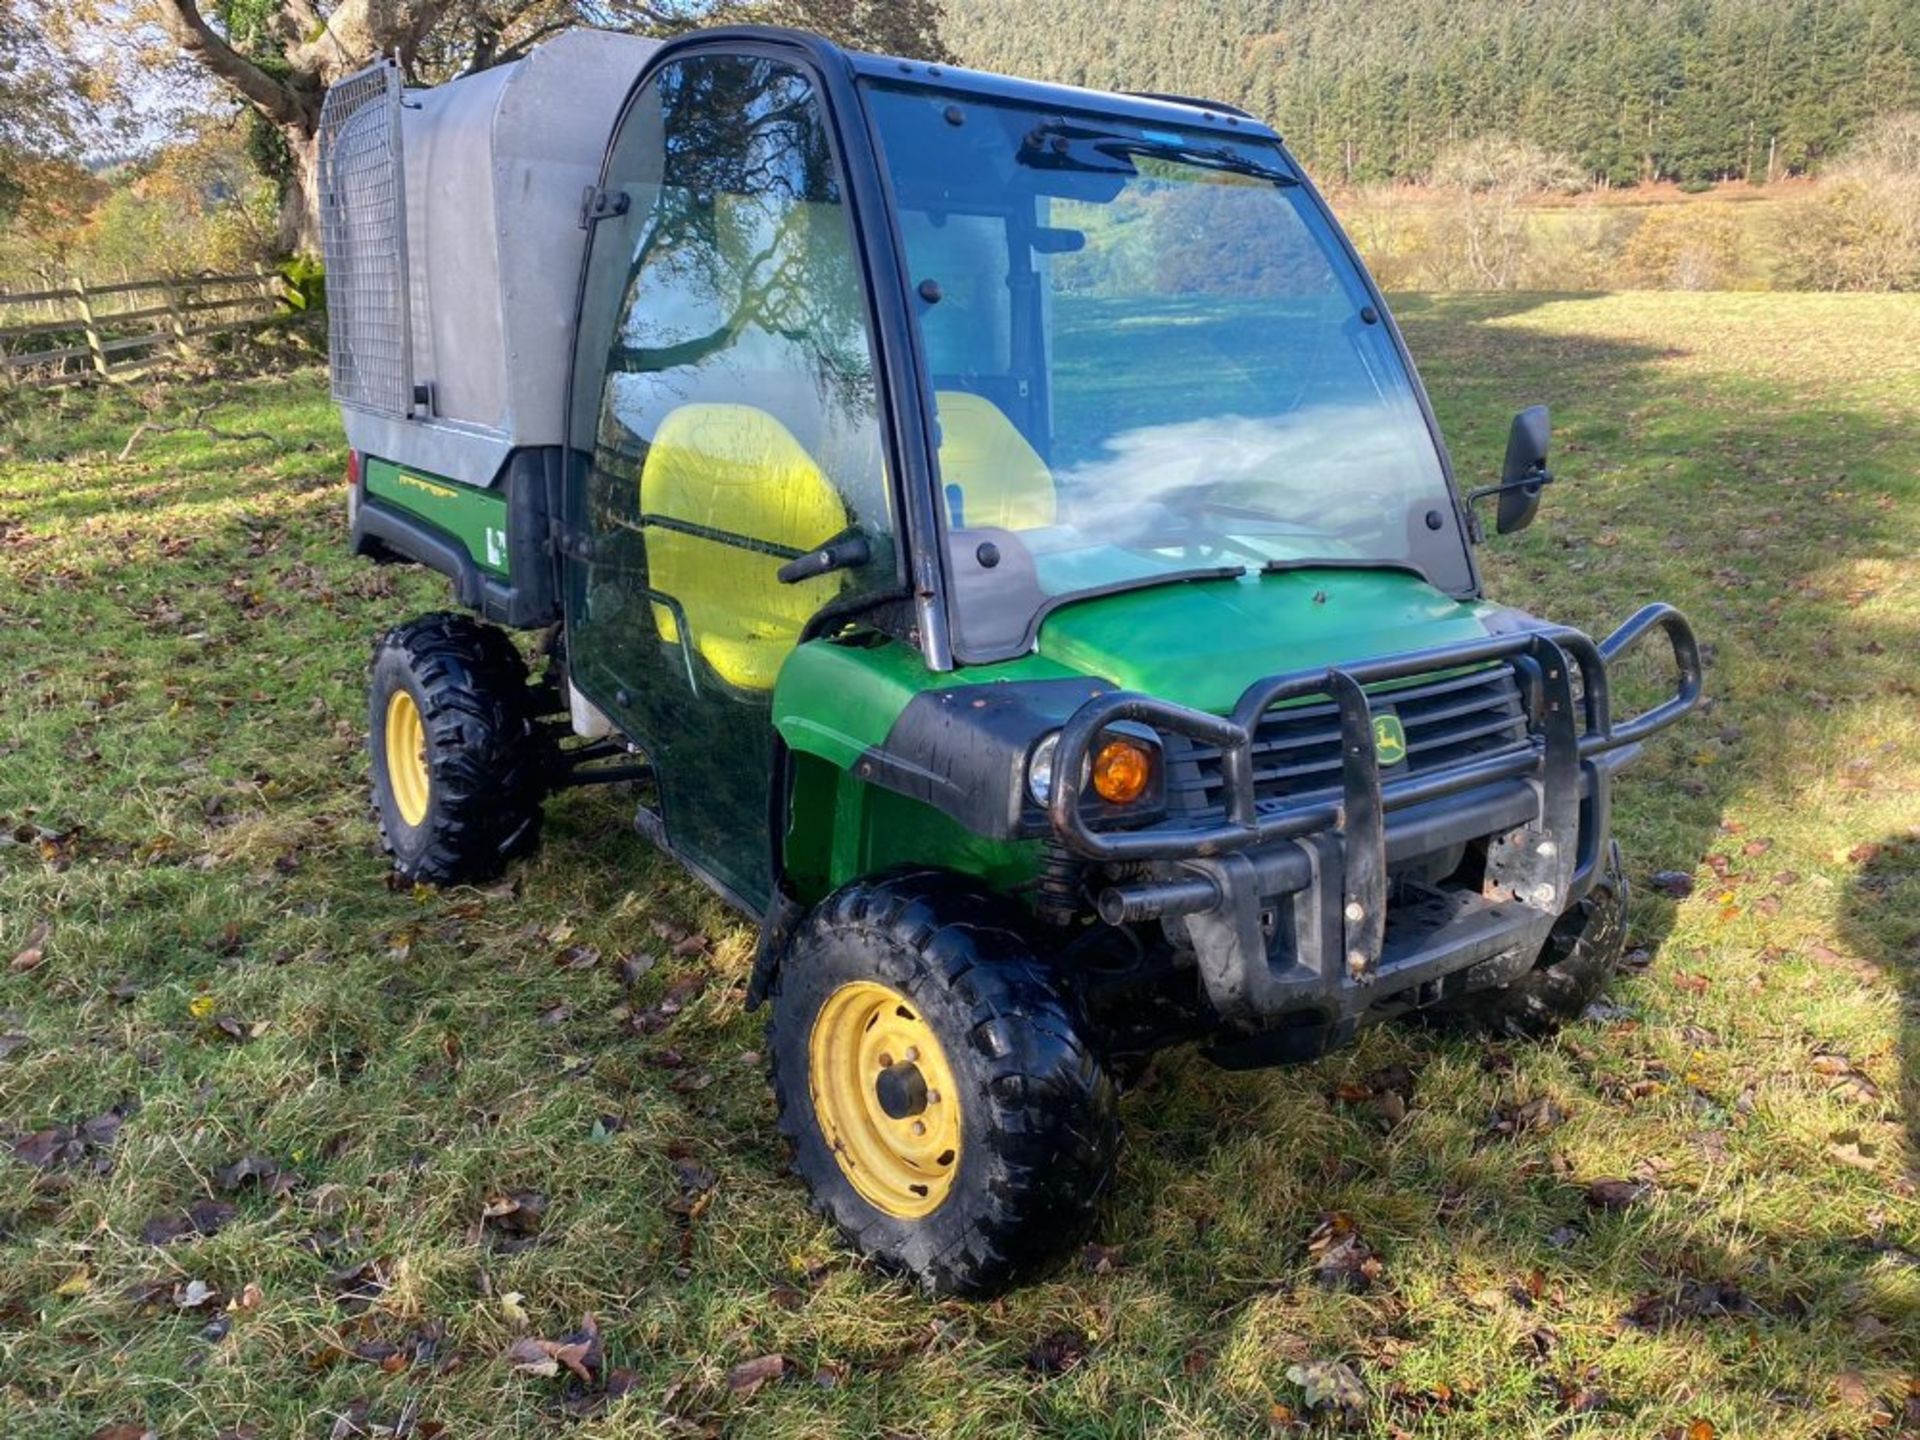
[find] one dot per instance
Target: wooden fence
(79, 332)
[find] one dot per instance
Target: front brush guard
(1329, 848)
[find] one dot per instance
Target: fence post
(94, 347)
(269, 286)
(176, 317)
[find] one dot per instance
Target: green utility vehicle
(999, 531)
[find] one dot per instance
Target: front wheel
(941, 1101)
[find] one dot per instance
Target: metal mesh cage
(363, 232)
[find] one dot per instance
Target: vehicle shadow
(1879, 922)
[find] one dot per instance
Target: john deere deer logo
(1389, 739)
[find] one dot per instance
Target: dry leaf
(1330, 1385)
(1853, 1389)
(76, 1283)
(34, 951)
(1616, 1194)
(749, 1375)
(529, 1356)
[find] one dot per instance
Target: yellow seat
(991, 475)
(726, 496)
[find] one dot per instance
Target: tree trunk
(300, 198)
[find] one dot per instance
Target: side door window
(728, 416)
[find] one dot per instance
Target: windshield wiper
(1056, 146)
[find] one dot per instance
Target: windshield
(1151, 359)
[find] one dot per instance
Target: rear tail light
(353, 468)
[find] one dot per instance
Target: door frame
(903, 418)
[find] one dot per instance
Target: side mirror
(1525, 472)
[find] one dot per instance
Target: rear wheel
(457, 755)
(1580, 956)
(941, 1101)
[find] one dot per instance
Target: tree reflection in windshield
(1191, 356)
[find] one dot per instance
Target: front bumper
(1285, 903)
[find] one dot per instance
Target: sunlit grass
(182, 650)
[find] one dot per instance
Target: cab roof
(1229, 120)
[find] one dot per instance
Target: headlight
(1122, 771)
(1040, 768)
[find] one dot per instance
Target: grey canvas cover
(491, 168)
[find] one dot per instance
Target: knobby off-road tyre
(458, 757)
(909, 1002)
(1580, 956)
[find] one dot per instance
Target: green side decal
(476, 518)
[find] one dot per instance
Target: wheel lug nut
(886, 1060)
(913, 1054)
(919, 1127)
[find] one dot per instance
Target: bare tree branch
(356, 31)
(191, 32)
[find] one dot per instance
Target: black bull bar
(1219, 876)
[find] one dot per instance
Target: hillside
(1634, 90)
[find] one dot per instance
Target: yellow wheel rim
(407, 757)
(885, 1098)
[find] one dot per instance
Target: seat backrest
(991, 475)
(727, 496)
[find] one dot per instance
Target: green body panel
(837, 701)
(476, 518)
(834, 703)
(1201, 643)
(1197, 643)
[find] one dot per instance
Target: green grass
(182, 642)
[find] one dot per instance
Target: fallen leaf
(1616, 1194)
(528, 1356)
(1690, 1299)
(203, 1217)
(633, 966)
(512, 1222)
(1342, 1259)
(695, 1188)
(34, 950)
(1330, 1385)
(1848, 1148)
(1677, 884)
(193, 1295)
(1528, 1117)
(273, 1179)
(749, 1375)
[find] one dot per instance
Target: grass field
(287, 1152)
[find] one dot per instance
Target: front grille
(1296, 750)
